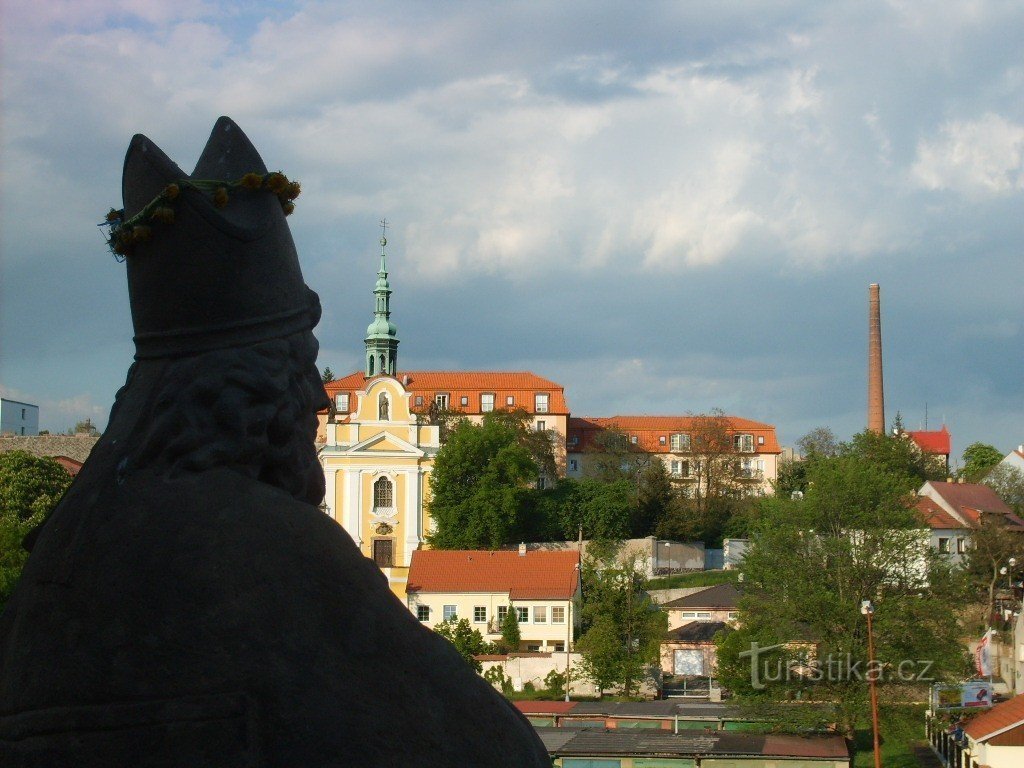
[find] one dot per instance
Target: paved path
(926, 757)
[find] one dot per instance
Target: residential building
(716, 603)
(543, 588)
(751, 447)
(935, 445)
(18, 418)
(996, 738)
(1014, 459)
(948, 535)
(690, 650)
(951, 510)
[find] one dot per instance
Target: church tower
(381, 335)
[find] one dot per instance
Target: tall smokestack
(876, 398)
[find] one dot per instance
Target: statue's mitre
(217, 276)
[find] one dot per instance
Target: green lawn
(900, 726)
(695, 579)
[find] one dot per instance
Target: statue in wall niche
(187, 604)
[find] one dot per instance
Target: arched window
(383, 365)
(383, 494)
(371, 365)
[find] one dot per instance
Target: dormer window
(680, 442)
(341, 403)
(540, 402)
(743, 443)
(486, 402)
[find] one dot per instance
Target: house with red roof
(542, 587)
(951, 509)
(995, 739)
(693, 448)
(935, 445)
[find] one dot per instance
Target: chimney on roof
(522, 549)
(876, 398)
(405, 380)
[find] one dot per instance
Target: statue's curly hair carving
(251, 409)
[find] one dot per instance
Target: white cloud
(973, 157)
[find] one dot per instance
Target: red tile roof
(521, 385)
(970, 495)
(999, 718)
(537, 575)
(935, 441)
(934, 516)
(650, 429)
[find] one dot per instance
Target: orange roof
(522, 386)
(537, 575)
(935, 441)
(1000, 718)
(649, 431)
(935, 516)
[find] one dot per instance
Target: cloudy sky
(665, 207)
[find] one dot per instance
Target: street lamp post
(868, 610)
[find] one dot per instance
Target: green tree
(811, 562)
(482, 484)
(30, 488)
(622, 628)
(979, 458)
(510, 630)
(601, 510)
(1008, 483)
(554, 682)
(612, 457)
(992, 546)
(467, 641)
(895, 453)
(328, 375)
(819, 442)
(654, 497)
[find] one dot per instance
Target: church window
(383, 494)
(370, 371)
(384, 552)
(383, 365)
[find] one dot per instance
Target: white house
(543, 588)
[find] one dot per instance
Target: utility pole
(868, 610)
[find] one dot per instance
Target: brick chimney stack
(876, 398)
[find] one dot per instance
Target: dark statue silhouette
(187, 604)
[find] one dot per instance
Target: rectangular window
(574, 465)
(559, 647)
(743, 443)
(677, 469)
(760, 439)
(540, 402)
(341, 403)
(542, 483)
(540, 614)
(661, 440)
(632, 439)
(943, 545)
(558, 614)
(541, 426)
(733, 615)
(487, 402)
(419, 400)
(464, 401)
(533, 648)
(680, 442)
(502, 613)
(510, 400)
(384, 552)
(703, 614)
(423, 612)
(961, 545)
(479, 614)
(449, 612)
(441, 399)
(686, 469)
(689, 615)
(523, 614)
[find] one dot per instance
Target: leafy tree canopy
(467, 641)
(30, 488)
(979, 458)
(1008, 483)
(482, 484)
(811, 562)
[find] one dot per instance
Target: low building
(948, 535)
(632, 748)
(543, 588)
(662, 714)
(996, 738)
(690, 651)
(653, 556)
(717, 603)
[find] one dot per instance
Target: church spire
(382, 335)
